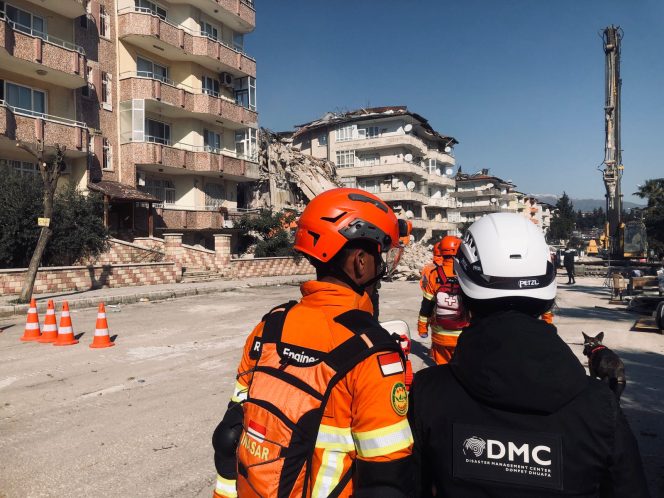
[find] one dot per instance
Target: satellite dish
(410, 185)
(449, 171)
(448, 149)
(409, 214)
(489, 185)
(408, 157)
(493, 200)
(408, 128)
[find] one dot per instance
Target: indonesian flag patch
(256, 431)
(390, 364)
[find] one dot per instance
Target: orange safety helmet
(342, 214)
(447, 247)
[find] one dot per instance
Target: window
(25, 99)
(348, 182)
(215, 194)
(369, 184)
(211, 141)
(210, 86)
(372, 132)
(107, 155)
(26, 22)
(369, 160)
(152, 8)
(245, 143)
(157, 132)
(345, 158)
(25, 168)
(209, 30)
(106, 98)
(322, 139)
(104, 23)
(86, 90)
(344, 133)
(161, 189)
(238, 42)
(245, 92)
(148, 69)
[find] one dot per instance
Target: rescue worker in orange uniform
(319, 405)
(441, 307)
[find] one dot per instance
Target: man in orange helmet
(441, 306)
(319, 406)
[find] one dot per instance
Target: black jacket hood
(516, 362)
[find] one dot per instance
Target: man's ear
(360, 262)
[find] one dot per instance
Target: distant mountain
(585, 204)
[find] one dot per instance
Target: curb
(8, 311)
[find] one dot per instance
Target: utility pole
(613, 167)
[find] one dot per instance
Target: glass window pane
(38, 25)
(143, 66)
(39, 102)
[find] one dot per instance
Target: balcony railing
(47, 117)
(53, 40)
(192, 32)
(148, 75)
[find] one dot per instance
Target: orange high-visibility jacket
(430, 283)
(364, 420)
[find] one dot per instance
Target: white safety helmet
(504, 255)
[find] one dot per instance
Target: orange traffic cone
(32, 332)
(66, 332)
(50, 331)
(102, 339)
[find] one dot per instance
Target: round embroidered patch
(399, 399)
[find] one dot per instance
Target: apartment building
(540, 213)
(155, 102)
(480, 193)
(393, 153)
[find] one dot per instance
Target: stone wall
(269, 267)
(78, 278)
(194, 257)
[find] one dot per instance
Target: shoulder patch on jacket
(390, 364)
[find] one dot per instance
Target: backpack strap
(274, 322)
(441, 274)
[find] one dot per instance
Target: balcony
(408, 141)
(442, 202)
(38, 55)
(170, 217)
(178, 100)
(67, 8)
(240, 15)
(441, 157)
(403, 196)
(440, 180)
(442, 225)
(178, 43)
(26, 126)
(469, 194)
(190, 158)
(479, 209)
(420, 223)
(383, 169)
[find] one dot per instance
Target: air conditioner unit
(228, 223)
(226, 79)
(141, 179)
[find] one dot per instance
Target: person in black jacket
(514, 414)
(568, 261)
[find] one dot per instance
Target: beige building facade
(394, 154)
(155, 102)
(480, 194)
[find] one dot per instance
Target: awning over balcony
(120, 191)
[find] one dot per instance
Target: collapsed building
(289, 179)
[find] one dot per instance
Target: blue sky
(520, 83)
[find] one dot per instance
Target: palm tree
(653, 190)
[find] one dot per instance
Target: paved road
(136, 419)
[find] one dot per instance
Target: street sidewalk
(127, 295)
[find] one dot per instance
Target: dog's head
(590, 343)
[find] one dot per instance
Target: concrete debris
(415, 256)
(289, 179)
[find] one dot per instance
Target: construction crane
(620, 240)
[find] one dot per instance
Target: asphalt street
(136, 419)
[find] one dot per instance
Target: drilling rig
(620, 240)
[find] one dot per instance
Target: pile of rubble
(415, 256)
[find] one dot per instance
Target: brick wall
(193, 257)
(120, 251)
(268, 267)
(68, 278)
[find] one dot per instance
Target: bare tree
(50, 170)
